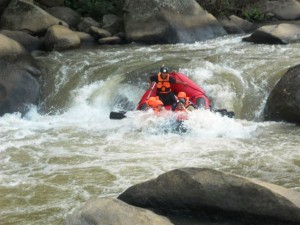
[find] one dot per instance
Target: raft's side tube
(197, 94)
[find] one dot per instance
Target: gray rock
(51, 3)
(66, 14)
(283, 33)
(85, 38)
(29, 42)
(10, 49)
(3, 5)
(18, 72)
(236, 25)
(110, 41)
(192, 191)
(23, 15)
(106, 211)
(61, 38)
(283, 103)
(282, 10)
(86, 23)
(97, 32)
(18, 86)
(113, 24)
(169, 21)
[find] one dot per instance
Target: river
(67, 150)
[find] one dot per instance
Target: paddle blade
(117, 115)
(224, 112)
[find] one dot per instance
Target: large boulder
(18, 87)
(188, 192)
(50, 3)
(23, 15)
(283, 103)
(172, 21)
(10, 49)
(71, 17)
(236, 25)
(282, 10)
(106, 211)
(85, 39)
(86, 23)
(18, 77)
(30, 43)
(113, 24)
(3, 5)
(283, 33)
(61, 38)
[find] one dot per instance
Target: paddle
(117, 115)
(121, 115)
(224, 112)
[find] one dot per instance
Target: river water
(67, 150)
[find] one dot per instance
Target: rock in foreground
(208, 193)
(106, 211)
(283, 103)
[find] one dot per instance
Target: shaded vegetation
(245, 9)
(242, 8)
(96, 8)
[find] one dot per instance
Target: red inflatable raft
(193, 91)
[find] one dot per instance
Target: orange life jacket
(151, 101)
(163, 85)
(187, 101)
(154, 103)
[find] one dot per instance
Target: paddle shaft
(153, 85)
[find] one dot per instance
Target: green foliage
(242, 8)
(253, 15)
(96, 8)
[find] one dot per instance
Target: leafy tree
(96, 8)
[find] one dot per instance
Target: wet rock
(51, 3)
(110, 41)
(3, 5)
(97, 32)
(23, 15)
(85, 39)
(66, 14)
(113, 24)
(61, 38)
(283, 103)
(18, 87)
(283, 33)
(236, 25)
(106, 211)
(169, 22)
(205, 193)
(10, 49)
(282, 10)
(86, 23)
(30, 43)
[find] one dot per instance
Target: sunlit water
(68, 150)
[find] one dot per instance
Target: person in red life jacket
(163, 84)
(186, 101)
(155, 104)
